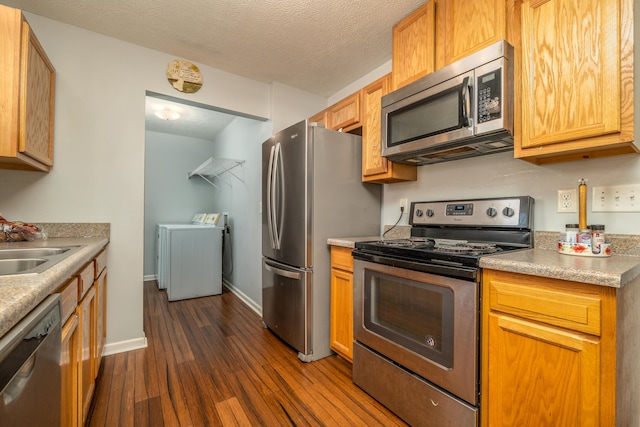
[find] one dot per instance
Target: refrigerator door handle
(278, 179)
(281, 272)
(270, 207)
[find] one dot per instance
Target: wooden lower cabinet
(101, 319)
(558, 353)
(341, 332)
(87, 327)
(69, 372)
(84, 305)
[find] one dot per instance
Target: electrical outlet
(616, 198)
(568, 200)
(403, 204)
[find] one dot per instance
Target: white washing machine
(189, 260)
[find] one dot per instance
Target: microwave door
(429, 118)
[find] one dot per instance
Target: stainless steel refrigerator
(311, 190)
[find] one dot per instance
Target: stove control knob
(430, 213)
(492, 212)
(419, 212)
(508, 212)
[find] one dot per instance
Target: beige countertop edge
(350, 242)
(19, 294)
(615, 271)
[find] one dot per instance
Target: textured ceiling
(319, 46)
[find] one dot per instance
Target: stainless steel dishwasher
(30, 368)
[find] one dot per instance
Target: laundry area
(189, 256)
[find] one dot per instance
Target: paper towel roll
(582, 204)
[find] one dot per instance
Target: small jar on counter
(597, 238)
(570, 234)
(584, 236)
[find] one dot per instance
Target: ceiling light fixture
(167, 114)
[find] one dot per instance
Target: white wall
(98, 174)
(502, 175)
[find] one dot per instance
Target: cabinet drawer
(68, 298)
(341, 258)
(100, 263)
(86, 277)
(554, 305)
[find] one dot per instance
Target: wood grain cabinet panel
(87, 330)
(341, 330)
(576, 76)
(69, 356)
(549, 352)
(413, 48)
(469, 26)
(375, 168)
(27, 82)
(345, 114)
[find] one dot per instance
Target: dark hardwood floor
(209, 362)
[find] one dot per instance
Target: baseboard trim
(150, 278)
(122, 346)
(245, 299)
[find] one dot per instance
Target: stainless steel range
(417, 310)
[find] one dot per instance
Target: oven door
(426, 323)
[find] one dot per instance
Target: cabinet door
(70, 416)
(345, 114)
(341, 335)
(470, 26)
(376, 168)
(87, 328)
(101, 319)
(576, 72)
(540, 375)
(37, 100)
(413, 50)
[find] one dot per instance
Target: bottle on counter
(584, 236)
(571, 233)
(597, 238)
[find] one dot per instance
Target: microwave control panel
(489, 87)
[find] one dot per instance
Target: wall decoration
(184, 76)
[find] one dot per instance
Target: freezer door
(286, 303)
(285, 198)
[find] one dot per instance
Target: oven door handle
(281, 272)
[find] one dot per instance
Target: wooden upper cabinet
(576, 76)
(345, 114)
(375, 168)
(413, 50)
(467, 26)
(320, 118)
(27, 80)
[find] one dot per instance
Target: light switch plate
(616, 198)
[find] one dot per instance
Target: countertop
(19, 294)
(615, 271)
(544, 261)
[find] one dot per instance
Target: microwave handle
(465, 94)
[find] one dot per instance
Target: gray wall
(242, 140)
(169, 196)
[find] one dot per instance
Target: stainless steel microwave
(462, 110)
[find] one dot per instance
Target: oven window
(438, 114)
(415, 315)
